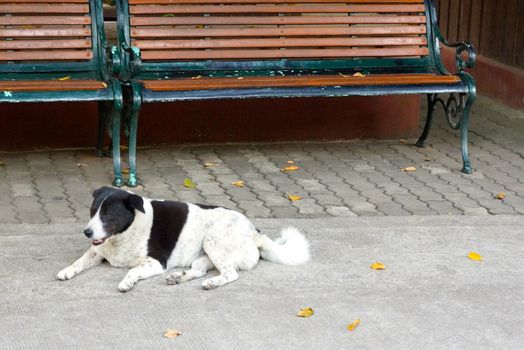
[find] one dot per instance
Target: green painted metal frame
(110, 99)
(127, 64)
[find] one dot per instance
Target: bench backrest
(214, 36)
(45, 38)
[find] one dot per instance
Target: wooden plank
(189, 9)
(45, 56)
(51, 85)
(290, 53)
(169, 2)
(282, 31)
(44, 44)
(43, 8)
(44, 1)
(295, 81)
(277, 42)
(44, 20)
(45, 32)
(277, 20)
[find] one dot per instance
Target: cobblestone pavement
(361, 178)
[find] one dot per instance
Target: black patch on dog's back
(169, 218)
(206, 206)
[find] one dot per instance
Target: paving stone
(340, 211)
(254, 209)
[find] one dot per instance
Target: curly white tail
(291, 248)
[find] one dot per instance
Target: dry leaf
(353, 325)
(240, 78)
(210, 164)
(475, 256)
(2, 163)
(427, 159)
(290, 168)
(290, 162)
(501, 195)
(305, 312)
(172, 333)
(81, 165)
(410, 168)
(378, 266)
(189, 183)
(64, 78)
(239, 183)
(124, 148)
(104, 84)
(293, 197)
(402, 141)
(358, 74)
(125, 171)
(197, 77)
(343, 75)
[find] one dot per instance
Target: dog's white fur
(220, 238)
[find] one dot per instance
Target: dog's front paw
(175, 277)
(66, 274)
(126, 285)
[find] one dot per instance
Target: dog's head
(112, 212)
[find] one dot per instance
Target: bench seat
(51, 85)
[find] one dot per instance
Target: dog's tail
(291, 248)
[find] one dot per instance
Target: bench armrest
(115, 60)
(464, 46)
(134, 59)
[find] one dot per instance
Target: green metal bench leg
(133, 129)
(429, 120)
(104, 108)
(464, 133)
(116, 116)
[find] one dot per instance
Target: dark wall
(495, 27)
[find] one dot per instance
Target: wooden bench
(179, 50)
(54, 51)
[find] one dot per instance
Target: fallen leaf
(305, 312)
(290, 168)
(290, 162)
(378, 266)
(343, 75)
(240, 78)
(427, 159)
(293, 197)
(197, 77)
(410, 168)
(353, 325)
(125, 171)
(402, 141)
(210, 164)
(124, 148)
(238, 183)
(189, 183)
(82, 164)
(358, 74)
(475, 256)
(501, 195)
(104, 84)
(64, 78)
(172, 333)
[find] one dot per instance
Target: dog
(152, 236)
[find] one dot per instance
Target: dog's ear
(133, 201)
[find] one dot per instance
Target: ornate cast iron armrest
(135, 59)
(115, 60)
(460, 62)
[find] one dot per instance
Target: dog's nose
(88, 232)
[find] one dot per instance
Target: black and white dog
(151, 236)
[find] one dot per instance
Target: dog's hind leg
(227, 271)
(199, 268)
(148, 268)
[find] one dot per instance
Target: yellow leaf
(2, 163)
(501, 195)
(353, 325)
(125, 171)
(290, 162)
(239, 183)
(240, 78)
(82, 164)
(378, 266)
(172, 333)
(290, 168)
(343, 75)
(64, 78)
(402, 141)
(293, 197)
(305, 312)
(358, 74)
(210, 164)
(475, 256)
(410, 168)
(197, 77)
(104, 84)
(189, 183)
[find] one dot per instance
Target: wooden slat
(44, 20)
(168, 2)
(295, 81)
(45, 44)
(188, 9)
(292, 53)
(44, 8)
(283, 31)
(283, 20)
(45, 32)
(46, 55)
(44, 1)
(51, 85)
(277, 42)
